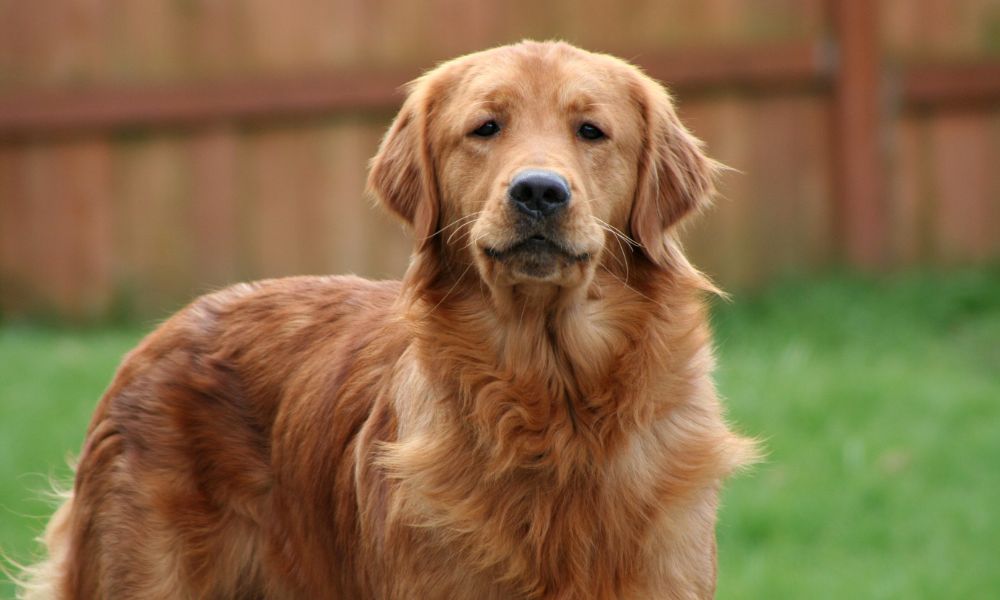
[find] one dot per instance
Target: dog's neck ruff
(555, 383)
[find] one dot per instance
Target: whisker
(456, 222)
(627, 286)
(624, 261)
(618, 232)
(459, 230)
(613, 255)
(520, 319)
(472, 241)
(451, 289)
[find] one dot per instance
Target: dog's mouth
(536, 245)
(536, 258)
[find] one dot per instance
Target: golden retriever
(529, 413)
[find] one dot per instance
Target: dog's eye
(488, 129)
(589, 131)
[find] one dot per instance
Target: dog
(529, 413)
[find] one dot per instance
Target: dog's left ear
(402, 174)
(675, 177)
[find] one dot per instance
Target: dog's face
(540, 159)
(527, 160)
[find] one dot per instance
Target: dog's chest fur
(551, 476)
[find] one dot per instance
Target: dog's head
(539, 162)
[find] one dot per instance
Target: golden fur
(533, 426)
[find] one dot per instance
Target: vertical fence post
(859, 164)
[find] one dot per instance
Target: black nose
(539, 193)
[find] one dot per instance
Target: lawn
(878, 402)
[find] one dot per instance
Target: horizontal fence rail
(773, 69)
(40, 113)
(952, 86)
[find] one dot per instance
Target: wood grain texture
(236, 135)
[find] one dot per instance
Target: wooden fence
(153, 150)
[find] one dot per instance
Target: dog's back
(174, 485)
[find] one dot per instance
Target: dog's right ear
(402, 174)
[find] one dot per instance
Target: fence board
(966, 211)
(909, 182)
(215, 204)
(15, 219)
(857, 149)
(154, 241)
(940, 30)
(57, 239)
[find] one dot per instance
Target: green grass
(878, 401)
(880, 407)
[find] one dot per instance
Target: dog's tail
(44, 580)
